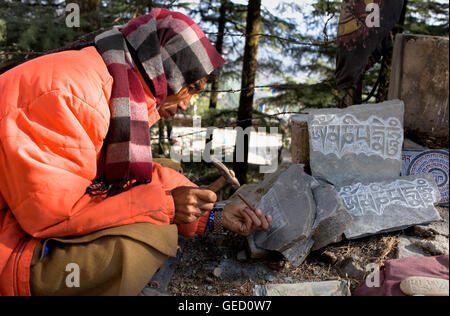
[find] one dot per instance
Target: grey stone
(291, 204)
(434, 161)
(435, 228)
(437, 246)
(361, 142)
(390, 205)
(406, 248)
(255, 251)
(352, 269)
(297, 253)
(327, 257)
(332, 217)
(424, 286)
(325, 288)
(241, 256)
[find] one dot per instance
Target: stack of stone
(359, 151)
(306, 215)
(355, 188)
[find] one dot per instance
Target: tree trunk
(388, 48)
(248, 82)
(219, 48)
(161, 127)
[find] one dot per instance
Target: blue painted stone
(434, 161)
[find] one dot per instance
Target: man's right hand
(191, 203)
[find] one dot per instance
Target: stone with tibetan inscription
(291, 204)
(390, 205)
(362, 142)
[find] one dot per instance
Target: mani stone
(390, 205)
(254, 192)
(361, 142)
(433, 161)
(424, 286)
(325, 288)
(291, 204)
(332, 217)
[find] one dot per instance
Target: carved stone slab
(332, 217)
(361, 142)
(434, 161)
(291, 204)
(424, 286)
(390, 205)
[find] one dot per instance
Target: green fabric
(116, 261)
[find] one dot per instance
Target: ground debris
(194, 274)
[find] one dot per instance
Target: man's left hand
(239, 218)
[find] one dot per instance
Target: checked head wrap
(170, 51)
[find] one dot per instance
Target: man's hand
(238, 218)
(191, 203)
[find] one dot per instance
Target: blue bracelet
(211, 219)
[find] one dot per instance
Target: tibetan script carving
(375, 197)
(342, 135)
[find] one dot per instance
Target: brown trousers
(117, 261)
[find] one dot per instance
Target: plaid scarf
(170, 51)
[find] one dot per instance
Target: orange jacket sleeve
(171, 179)
(48, 156)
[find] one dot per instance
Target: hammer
(227, 176)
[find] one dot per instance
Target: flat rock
(361, 142)
(435, 228)
(326, 288)
(256, 252)
(332, 217)
(241, 256)
(436, 246)
(291, 204)
(425, 286)
(390, 205)
(406, 248)
(297, 253)
(350, 268)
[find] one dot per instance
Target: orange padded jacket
(54, 116)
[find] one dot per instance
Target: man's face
(181, 100)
